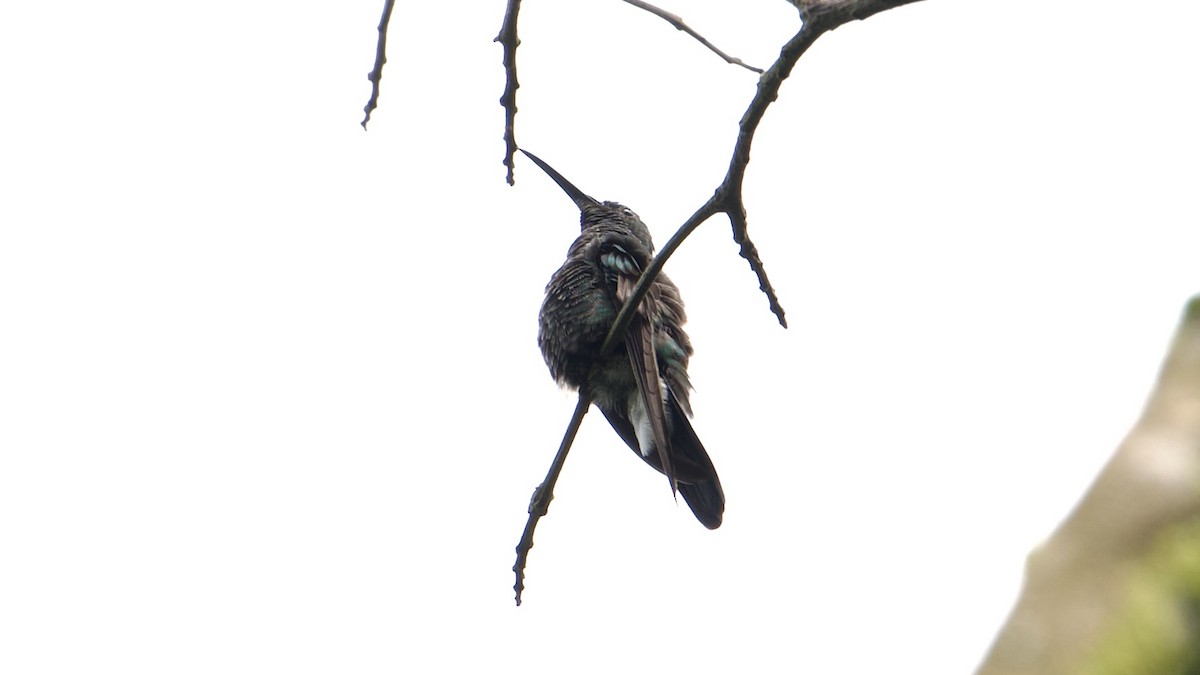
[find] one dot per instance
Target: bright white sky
(270, 395)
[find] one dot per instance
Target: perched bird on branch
(642, 386)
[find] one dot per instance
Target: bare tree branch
(676, 21)
(508, 40)
(376, 73)
(819, 18)
(539, 504)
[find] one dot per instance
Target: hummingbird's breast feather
(575, 317)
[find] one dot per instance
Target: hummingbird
(642, 387)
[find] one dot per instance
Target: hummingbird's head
(594, 213)
(612, 214)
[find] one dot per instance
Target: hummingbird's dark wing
(650, 426)
(694, 471)
(699, 484)
(688, 465)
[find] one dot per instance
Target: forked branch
(819, 18)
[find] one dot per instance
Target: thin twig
(539, 504)
(508, 40)
(376, 73)
(677, 21)
(729, 193)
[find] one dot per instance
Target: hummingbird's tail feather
(706, 501)
(698, 481)
(694, 472)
